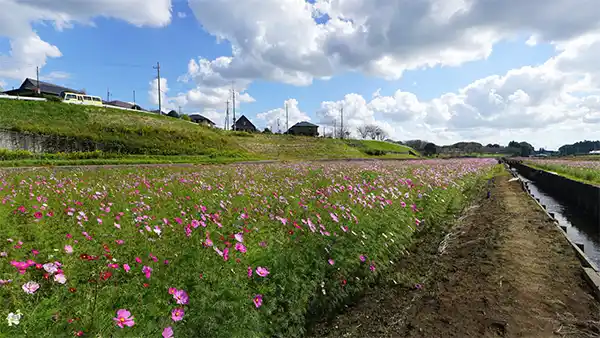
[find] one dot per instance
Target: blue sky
(118, 53)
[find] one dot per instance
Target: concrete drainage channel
(563, 220)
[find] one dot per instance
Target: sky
(445, 71)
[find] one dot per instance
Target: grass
(371, 147)
(309, 225)
(137, 133)
(583, 171)
(25, 158)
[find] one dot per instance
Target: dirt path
(503, 271)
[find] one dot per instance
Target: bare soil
(503, 270)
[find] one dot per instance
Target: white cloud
(56, 75)
(181, 15)
(294, 115)
(558, 97)
(28, 50)
(280, 40)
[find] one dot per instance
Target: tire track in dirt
(505, 272)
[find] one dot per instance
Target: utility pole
(342, 122)
(37, 74)
(233, 94)
(159, 93)
(287, 119)
(227, 116)
(107, 94)
(334, 128)
(179, 110)
(278, 128)
(134, 97)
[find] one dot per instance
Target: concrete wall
(585, 197)
(35, 143)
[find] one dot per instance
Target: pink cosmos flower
(181, 297)
(117, 225)
(60, 278)
(239, 237)
(126, 267)
(240, 247)
(172, 291)
(38, 215)
(226, 254)
(50, 268)
(138, 260)
(68, 249)
(258, 299)
(263, 272)
(362, 258)
(124, 318)
(31, 287)
(250, 271)
(120, 241)
(147, 271)
(331, 261)
(372, 267)
(167, 332)
(177, 314)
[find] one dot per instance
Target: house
(304, 128)
(29, 88)
(243, 124)
(122, 104)
(197, 118)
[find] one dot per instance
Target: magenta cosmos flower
(258, 299)
(263, 272)
(177, 314)
(124, 318)
(167, 332)
(147, 271)
(181, 297)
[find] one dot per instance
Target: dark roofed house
(29, 88)
(243, 124)
(304, 128)
(122, 104)
(197, 118)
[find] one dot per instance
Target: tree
(526, 149)
(174, 114)
(267, 131)
(186, 117)
(430, 149)
(363, 131)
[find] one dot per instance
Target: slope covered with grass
(117, 131)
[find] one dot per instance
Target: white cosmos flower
(14, 318)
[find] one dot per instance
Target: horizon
(487, 73)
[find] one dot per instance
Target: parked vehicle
(75, 98)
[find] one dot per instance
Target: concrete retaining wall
(585, 197)
(36, 143)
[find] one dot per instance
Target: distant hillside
(138, 133)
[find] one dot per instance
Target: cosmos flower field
(582, 170)
(212, 251)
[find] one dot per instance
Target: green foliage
(186, 117)
(587, 172)
(582, 147)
